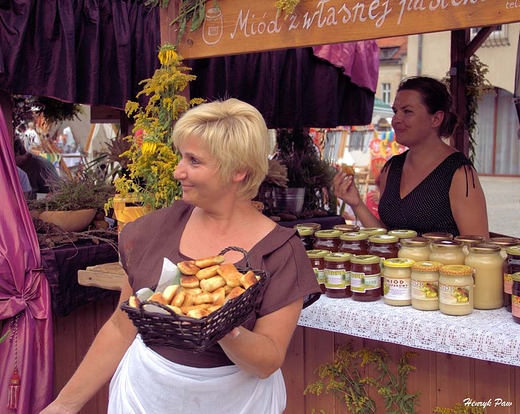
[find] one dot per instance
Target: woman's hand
(345, 188)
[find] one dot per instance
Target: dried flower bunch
(151, 158)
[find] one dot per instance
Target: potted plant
(147, 183)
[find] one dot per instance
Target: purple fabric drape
(91, 52)
(291, 88)
(25, 302)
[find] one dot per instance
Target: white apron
(147, 383)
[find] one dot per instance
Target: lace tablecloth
(490, 335)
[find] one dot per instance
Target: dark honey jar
(327, 240)
(365, 278)
(316, 258)
(511, 266)
(515, 299)
(306, 236)
(354, 243)
(337, 275)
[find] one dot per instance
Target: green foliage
(346, 378)
(460, 409)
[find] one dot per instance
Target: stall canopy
(321, 87)
(382, 109)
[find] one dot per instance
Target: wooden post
(459, 62)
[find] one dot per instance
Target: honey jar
(327, 240)
(337, 275)
(456, 289)
(488, 266)
(314, 226)
(306, 236)
(468, 241)
(402, 234)
(354, 243)
(515, 299)
(425, 285)
(448, 252)
(416, 248)
(346, 228)
(398, 282)
(511, 266)
(365, 278)
(371, 231)
(437, 236)
(316, 258)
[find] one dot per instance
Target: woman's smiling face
(198, 173)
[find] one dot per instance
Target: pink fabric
(24, 295)
(359, 60)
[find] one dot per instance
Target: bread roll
(189, 281)
(178, 300)
(193, 291)
(209, 261)
(248, 279)
(213, 283)
(219, 296)
(188, 297)
(207, 272)
(158, 297)
(133, 302)
(230, 274)
(188, 267)
(201, 298)
(186, 309)
(197, 313)
(175, 309)
(235, 293)
(213, 308)
(170, 291)
(347, 169)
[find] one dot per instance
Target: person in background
(31, 138)
(41, 172)
(431, 187)
(224, 147)
(24, 182)
(70, 143)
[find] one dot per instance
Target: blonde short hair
(235, 133)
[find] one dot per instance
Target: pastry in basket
(224, 354)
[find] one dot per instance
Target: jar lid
(438, 235)
(354, 236)
(456, 270)
(484, 248)
(470, 239)
(400, 262)
(317, 254)
(365, 259)
(516, 277)
(513, 250)
(427, 266)
(346, 228)
(383, 238)
(402, 233)
(449, 244)
(322, 234)
(337, 257)
(315, 226)
(372, 230)
(415, 242)
(305, 231)
(505, 241)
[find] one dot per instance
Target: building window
(388, 53)
(498, 37)
(385, 88)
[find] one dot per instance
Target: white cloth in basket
(146, 383)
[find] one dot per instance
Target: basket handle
(237, 249)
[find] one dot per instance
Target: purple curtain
(91, 52)
(25, 302)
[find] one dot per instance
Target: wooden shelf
(109, 276)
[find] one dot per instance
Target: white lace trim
(490, 335)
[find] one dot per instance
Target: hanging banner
(235, 27)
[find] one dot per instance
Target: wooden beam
(477, 41)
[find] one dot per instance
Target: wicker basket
(197, 335)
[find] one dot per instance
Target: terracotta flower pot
(76, 220)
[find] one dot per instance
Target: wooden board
(107, 276)
(245, 27)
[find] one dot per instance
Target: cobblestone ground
(503, 204)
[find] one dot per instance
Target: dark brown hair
(19, 148)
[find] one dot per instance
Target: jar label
(337, 279)
(425, 290)
(320, 275)
(397, 289)
(515, 306)
(360, 282)
(508, 283)
(454, 295)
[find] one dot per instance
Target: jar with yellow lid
(448, 252)
(384, 246)
(456, 289)
(371, 231)
(425, 285)
(346, 228)
(327, 240)
(511, 265)
(468, 241)
(402, 233)
(416, 248)
(488, 266)
(306, 236)
(316, 258)
(354, 243)
(398, 282)
(365, 278)
(314, 226)
(337, 275)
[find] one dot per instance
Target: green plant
(476, 86)
(151, 158)
(287, 6)
(460, 409)
(345, 377)
(4, 337)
